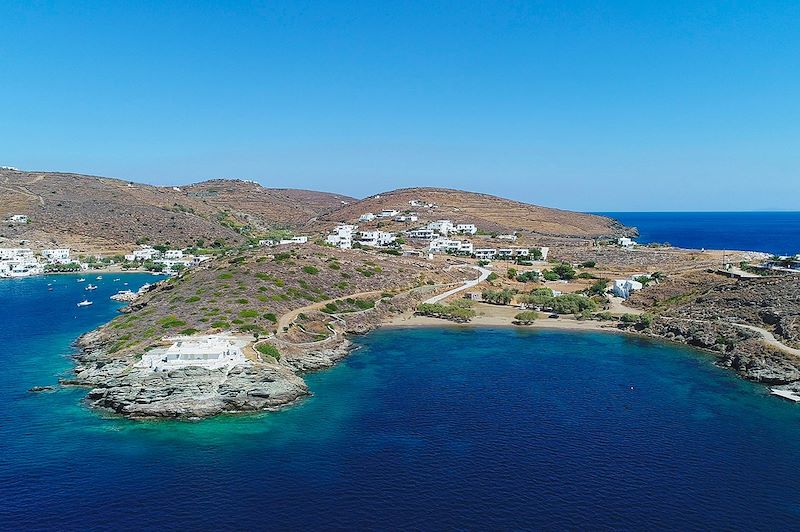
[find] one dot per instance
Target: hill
(298, 302)
(92, 213)
(489, 213)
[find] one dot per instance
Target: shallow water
(421, 428)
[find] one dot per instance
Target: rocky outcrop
(736, 348)
(118, 386)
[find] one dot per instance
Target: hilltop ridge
(491, 213)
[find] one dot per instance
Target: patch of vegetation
(269, 350)
(453, 312)
(170, 322)
(310, 270)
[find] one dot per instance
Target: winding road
(467, 284)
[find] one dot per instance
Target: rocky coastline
(118, 387)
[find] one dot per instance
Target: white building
(266, 243)
(211, 352)
(341, 236)
(421, 234)
(445, 245)
(485, 253)
(173, 254)
(467, 229)
(626, 242)
(18, 262)
(16, 254)
(411, 217)
(143, 253)
(294, 240)
(625, 287)
(375, 238)
(199, 259)
(388, 213)
(57, 256)
(512, 237)
(366, 217)
(17, 219)
(443, 227)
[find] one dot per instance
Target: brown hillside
(489, 213)
(97, 213)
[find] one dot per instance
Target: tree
(536, 253)
(512, 273)
(497, 297)
(527, 317)
(550, 276)
(588, 264)
(564, 271)
(598, 288)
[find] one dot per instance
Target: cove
(472, 428)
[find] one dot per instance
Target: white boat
(90, 287)
(99, 277)
(114, 280)
(84, 303)
(81, 280)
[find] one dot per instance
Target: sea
(770, 232)
(421, 428)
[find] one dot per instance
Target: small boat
(99, 277)
(114, 280)
(125, 284)
(84, 303)
(50, 289)
(81, 280)
(90, 287)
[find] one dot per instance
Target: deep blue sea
(770, 232)
(490, 429)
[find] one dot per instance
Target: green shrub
(311, 270)
(268, 349)
(248, 313)
(170, 322)
(271, 317)
(225, 276)
(527, 317)
(188, 332)
(221, 324)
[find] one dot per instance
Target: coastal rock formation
(185, 392)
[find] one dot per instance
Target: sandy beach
(502, 316)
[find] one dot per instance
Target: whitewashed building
(389, 213)
(466, 229)
(625, 287)
(294, 240)
(341, 236)
(143, 253)
(211, 352)
(443, 227)
(421, 234)
(375, 238)
(366, 217)
(510, 237)
(485, 253)
(410, 217)
(626, 242)
(173, 254)
(57, 256)
(17, 219)
(446, 245)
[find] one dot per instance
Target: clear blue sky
(582, 105)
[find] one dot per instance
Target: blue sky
(580, 105)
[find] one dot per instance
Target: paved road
(468, 284)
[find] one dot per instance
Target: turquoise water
(421, 428)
